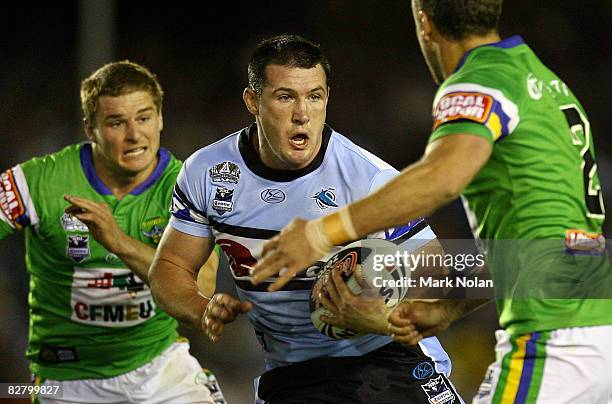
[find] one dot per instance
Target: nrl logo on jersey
(223, 200)
(72, 223)
(225, 172)
(78, 247)
(438, 392)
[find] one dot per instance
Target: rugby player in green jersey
(513, 140)
(93, 214)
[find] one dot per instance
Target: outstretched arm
(412, 321)
(448, 166)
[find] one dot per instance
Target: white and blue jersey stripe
(224, 192)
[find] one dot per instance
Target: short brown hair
(459, 19)
(284, 50)
(115, 79)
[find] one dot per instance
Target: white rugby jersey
(226, 193)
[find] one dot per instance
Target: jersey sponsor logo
(11, 201)
(110, 298)
(72, 223)
(240, 258)
(535, 87)
(56, 354)
(78, 246)
(128, 282)
(113, 313)
(326, 198)
(463, 105)
(582, 243)
(438, 391)
(272, 195)
(223, 200)
(225, 172)
(423, 370)
(153, 229)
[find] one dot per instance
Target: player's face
(429, 48)
(126, 135)
(290, 115)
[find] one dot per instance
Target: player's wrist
(328, 231)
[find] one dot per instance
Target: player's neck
(453, 51)
(120, 182)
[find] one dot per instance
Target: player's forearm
(458, 308)
(175, 291)
(136, 255)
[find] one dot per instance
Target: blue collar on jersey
(101, 188)
(254, 163)
(507, 43)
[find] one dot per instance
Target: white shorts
(569, 365)
(172, 377)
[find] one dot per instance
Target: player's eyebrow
(119, 115)
(291, 90)
(143, 110)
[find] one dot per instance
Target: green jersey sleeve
(17, 208)
(482, 102)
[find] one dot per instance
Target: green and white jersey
(540, 182)
(90, 316)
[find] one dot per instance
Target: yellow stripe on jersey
(516, 369)
(494, 125)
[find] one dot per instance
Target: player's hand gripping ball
(363, 269)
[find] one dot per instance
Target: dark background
(381, 95)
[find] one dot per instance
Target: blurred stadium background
(381, 98)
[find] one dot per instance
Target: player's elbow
(156, 284)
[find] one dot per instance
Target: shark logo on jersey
(326, 198)
(223, 200)
(72, 223)
(78, 247)
(438, 392)
(225, 172)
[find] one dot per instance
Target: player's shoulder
(495, 67)
(63, 159)
(225, 149)
(355, 155)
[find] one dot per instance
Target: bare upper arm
(182, 250)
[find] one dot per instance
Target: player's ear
(89, 130)
(426, 25)
(251, 100)
(160, 121)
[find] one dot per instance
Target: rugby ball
(364, 271)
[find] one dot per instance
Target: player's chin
(299, 159)
(136, 166)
